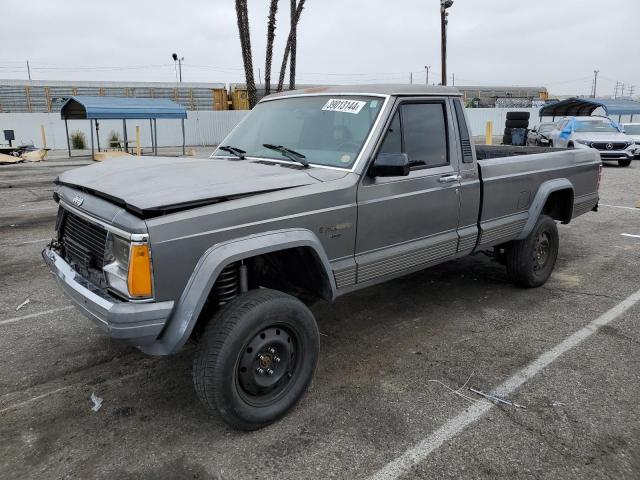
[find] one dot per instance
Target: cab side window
(425, 134)
(419, 130)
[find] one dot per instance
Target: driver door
(406, 223)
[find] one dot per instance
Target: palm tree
(245, 45)
(271, 34)
(292, 58)
(290, 48)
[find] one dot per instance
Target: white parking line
(618, 206)
(418, 453)
(33, 315)
(630, 235)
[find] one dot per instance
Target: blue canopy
(585, 106)
(82, 108)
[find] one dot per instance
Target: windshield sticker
(346, 106)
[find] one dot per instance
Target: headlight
(584, 142)
(128, 267)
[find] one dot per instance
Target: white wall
(204, 127)
(201, 128)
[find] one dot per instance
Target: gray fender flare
(546, 189)
(188, 308)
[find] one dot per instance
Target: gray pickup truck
(315, 194)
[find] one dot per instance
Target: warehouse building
(38, 96)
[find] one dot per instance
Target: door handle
(449, 178)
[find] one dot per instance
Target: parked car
(315, 194)
(540, 135)
(633, 130)
(599, 133)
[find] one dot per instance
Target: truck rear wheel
(530, 261)
(255, 358)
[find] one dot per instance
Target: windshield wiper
(238, 152)
(287, 152)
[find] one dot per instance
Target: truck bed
(484, 152)
(514, 179)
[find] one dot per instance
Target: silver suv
(599, 133)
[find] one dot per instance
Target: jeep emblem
(609, 146)
(77, 200)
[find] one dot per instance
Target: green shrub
(114, 139)
(78, 140)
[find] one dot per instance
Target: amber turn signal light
(139, 278)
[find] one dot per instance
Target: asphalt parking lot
(381, 402)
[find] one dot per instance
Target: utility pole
(444, 5)
(426, 79)
(595, 82)
(453, 79)
(615, 93)
(259, 77)
(28, 70)
(410, 78)
(632, 89)
(622, 91)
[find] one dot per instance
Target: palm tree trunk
(245, 45)
(271, 34)
(292, 57)
(287, 49)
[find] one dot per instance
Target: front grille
(614, 145)
(84, 242)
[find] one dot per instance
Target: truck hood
(152, 186)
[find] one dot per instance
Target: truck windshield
(597, 126)
(327, 130)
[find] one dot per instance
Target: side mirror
(390, 165)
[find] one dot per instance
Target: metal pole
(443, 42)
(66, 129)
(97, 134)
(124, 134)
(28, 70)
(153, 147)
(183, 151)
(595, 82)
(426, 80)
(155, 135)
(180, 68)
(91, 130)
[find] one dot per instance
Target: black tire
(259, 332)
(530, 261)
(516, 124)
(506, 139)
(507, 131)
(624, 163)
(518, 115)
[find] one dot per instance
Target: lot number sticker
(346, 106)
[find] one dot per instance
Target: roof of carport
(84, 107)
(586, 106)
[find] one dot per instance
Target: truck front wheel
(530, 261)
(255, 358)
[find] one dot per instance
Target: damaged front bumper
(138, 323)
